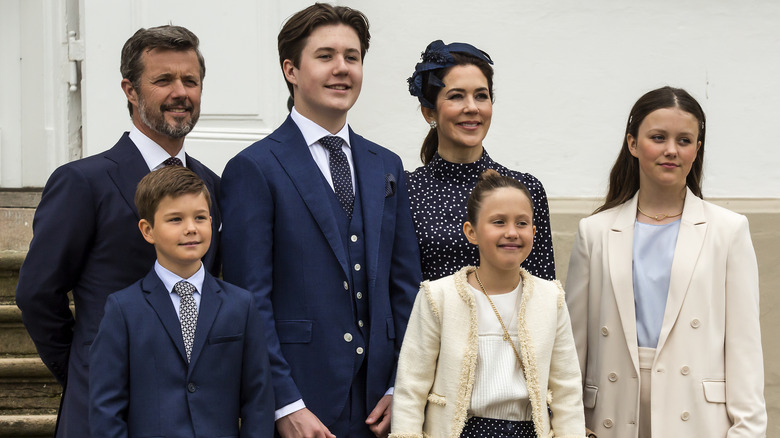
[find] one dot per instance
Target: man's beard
(156, 120)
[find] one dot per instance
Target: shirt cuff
(289, 409)
(390, 391)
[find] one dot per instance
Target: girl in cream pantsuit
(704, 377)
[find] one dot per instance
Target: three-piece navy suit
(86, 239)
(142, 386)
(334, 292)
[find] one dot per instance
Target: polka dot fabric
(438, 193)
(480, 427)
(188, 314)
(339, 172)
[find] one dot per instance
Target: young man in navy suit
(317, 226)
(85, 236)
(179, 353)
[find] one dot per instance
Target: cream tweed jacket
(439, 357)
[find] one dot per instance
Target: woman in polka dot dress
(454, 84)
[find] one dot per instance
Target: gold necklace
(500, 320)
(658, 217)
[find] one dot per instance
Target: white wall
(568, 72)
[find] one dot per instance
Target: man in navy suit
(85, 234)
(317, 226)
(179, 353)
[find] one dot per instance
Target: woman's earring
(433, 124)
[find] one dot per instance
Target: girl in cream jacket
(455, 378)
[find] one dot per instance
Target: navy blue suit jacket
(280, 240)
(140, 383)
(86, 240)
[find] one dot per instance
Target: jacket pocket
(437, 399)
(589, 394)
(221, 339)
(714, 390)
(390, 328)
(294, 332)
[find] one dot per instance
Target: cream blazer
(708, 375)
(439, 357)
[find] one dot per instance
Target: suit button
(346, 286)
(608, 423)
(695, 323)
(353, 238)
(685, 416)
(359, 295)
(359, 350)
(348, 337)
(357, 266)
(360, 323)
(685, 370)
(604, 331)
(191, 387)
(613, 377)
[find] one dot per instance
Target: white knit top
(499, 386)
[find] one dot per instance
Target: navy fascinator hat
(437, 56)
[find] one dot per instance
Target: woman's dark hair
(624, 176)
(431, 92)
(488, 181)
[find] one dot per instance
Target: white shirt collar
(313, 132)
(169, 279)
(153, 154)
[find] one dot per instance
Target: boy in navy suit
(179, 353)
(317, 225)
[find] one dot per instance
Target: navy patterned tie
(172, 161)
(340, 173)
(188, 314)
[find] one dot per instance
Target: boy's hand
(379, 419)
(302, 424)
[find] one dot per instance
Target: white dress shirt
(169, 279)
(312, 133)
(153, 154)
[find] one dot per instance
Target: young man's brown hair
(173, 181)
(292, 37)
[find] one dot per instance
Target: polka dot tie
(339, 172)
(188, 314)
(173, 161)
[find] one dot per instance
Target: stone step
(27, 387)
(14, 340)
(10, 262)
(27, 426)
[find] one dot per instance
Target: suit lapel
(370, 176)
(294, 157)
(160, 300)
(693, 227)
(210, 302)
(621, 242)
(130, 168)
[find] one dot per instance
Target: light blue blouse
(652, 255)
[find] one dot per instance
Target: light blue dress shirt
(653, 254)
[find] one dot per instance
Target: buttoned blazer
(281, 241)
(86, 240)
(707, 376)
(141, 384)
(440, 352)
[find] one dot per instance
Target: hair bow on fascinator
(437, 56)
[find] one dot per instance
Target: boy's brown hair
(292, 38)
(173, 181)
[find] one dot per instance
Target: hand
(379, 419)
(302, 424)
